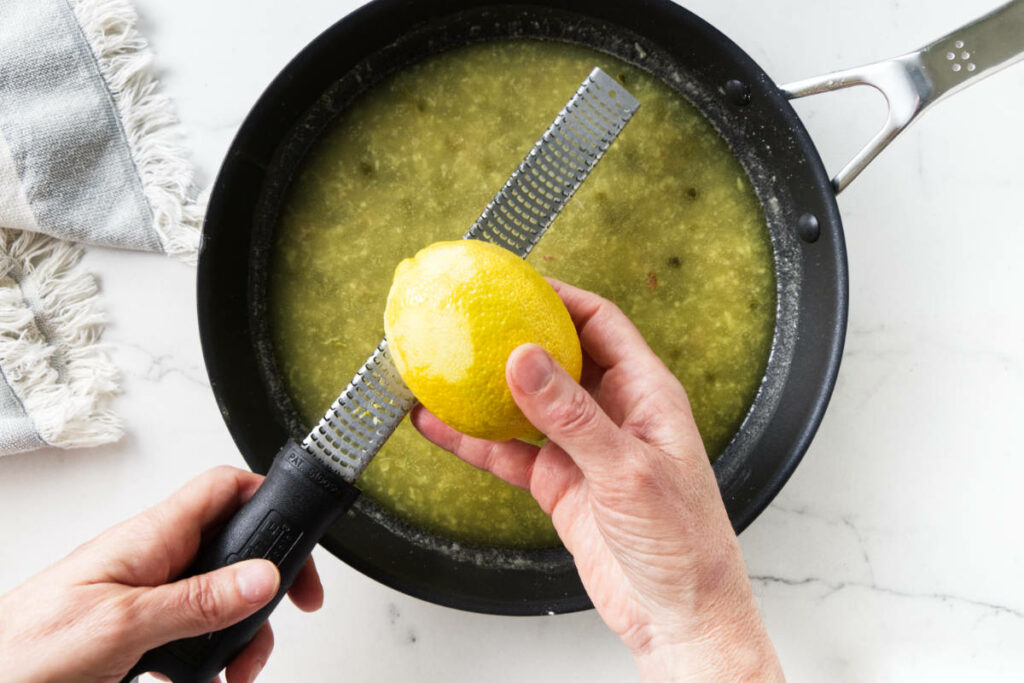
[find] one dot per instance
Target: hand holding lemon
(455, 312)
(624, 474)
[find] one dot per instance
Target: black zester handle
(282, 523)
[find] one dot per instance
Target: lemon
(455, 312)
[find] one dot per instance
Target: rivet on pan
(738, 92)
(807, 227)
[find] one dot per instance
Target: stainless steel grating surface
(373, 404)
(556, 166)
(363, 417)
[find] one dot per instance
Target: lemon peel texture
(455, 312)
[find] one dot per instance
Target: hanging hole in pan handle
(913, 82)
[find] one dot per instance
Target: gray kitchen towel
(89, 153)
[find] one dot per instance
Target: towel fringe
(149, 121)
(50, 324)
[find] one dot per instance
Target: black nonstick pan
(751, 112)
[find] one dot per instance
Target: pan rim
(831, 226)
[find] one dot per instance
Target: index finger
(164, 538)
(609, 337)
(208, 499)
(635, 387)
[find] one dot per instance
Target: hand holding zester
(90, 616)
(310, 485)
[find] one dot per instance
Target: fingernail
(256, 582)
(532, 370)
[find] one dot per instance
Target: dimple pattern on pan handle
(373, 404)
(913, 82)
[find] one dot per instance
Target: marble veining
(893, 554)
(825, 589)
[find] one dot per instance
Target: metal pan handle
(915, 81)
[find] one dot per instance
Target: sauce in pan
(668, 227)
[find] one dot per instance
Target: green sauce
(667, 226)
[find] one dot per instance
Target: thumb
(206, 602)
(563, 410)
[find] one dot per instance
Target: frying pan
(750, 111)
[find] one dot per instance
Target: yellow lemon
(455, 312)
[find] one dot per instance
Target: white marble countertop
(894, 553)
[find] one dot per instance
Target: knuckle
(610, 307)
(199, 598)
(642, 423)
(122, 619)
(222, 473)
(489, 461)
(607, 309)
(660, 418)
(639, 475)
(453, 442)
(575, 414)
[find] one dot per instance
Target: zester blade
(376, 400)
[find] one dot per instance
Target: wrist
(743, 654)
(727, 642)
